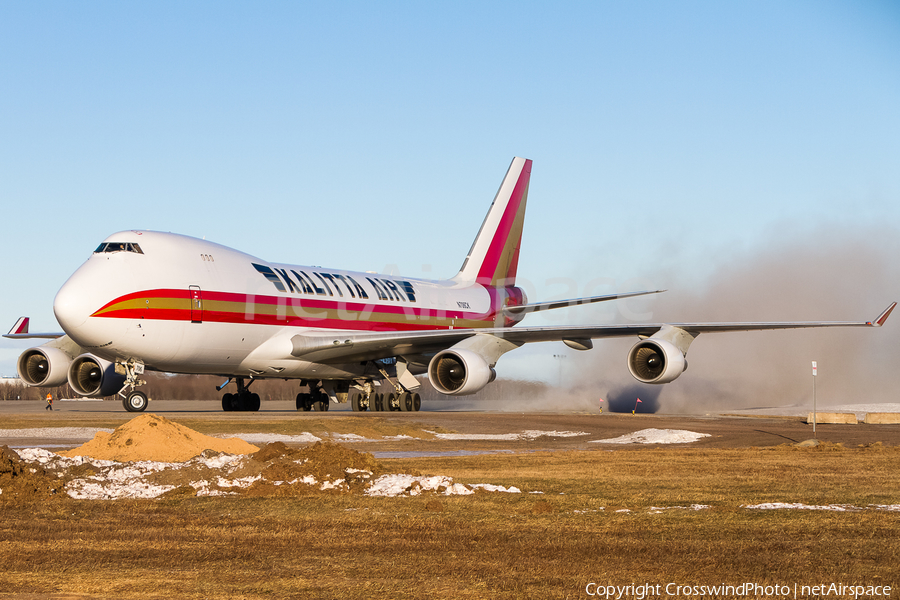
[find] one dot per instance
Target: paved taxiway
(725, 431)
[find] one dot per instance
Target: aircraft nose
(72, 305)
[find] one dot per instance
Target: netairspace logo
(674, 590)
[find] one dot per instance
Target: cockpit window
(118, 247)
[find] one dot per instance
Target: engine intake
(92, 376)
(656, 361)
(43, 366)
(459, 372)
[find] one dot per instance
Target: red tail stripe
(498, 243)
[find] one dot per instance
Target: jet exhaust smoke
(828, 273)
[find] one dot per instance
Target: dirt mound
(322, 467)
(155, 438)
(23, 482)
(275, 470)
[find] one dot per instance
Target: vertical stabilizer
(494, 255)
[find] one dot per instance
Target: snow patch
(529, 434)
(496, 488)
(832, 507)
(350, 437)
(413, 485)
(62, 433)
(655, 510)
(655, 436)
(798, 410)
(218, 476)
(267, 438)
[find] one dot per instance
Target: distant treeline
(161, 386)
(16, 390)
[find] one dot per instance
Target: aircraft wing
(546, 334)
(19, 331)
(343, 346)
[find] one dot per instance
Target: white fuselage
(181, 304)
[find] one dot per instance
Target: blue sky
(665, 136)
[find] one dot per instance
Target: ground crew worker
(49, 401)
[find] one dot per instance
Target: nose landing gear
(133, 401)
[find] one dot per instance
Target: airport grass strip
(548, 545)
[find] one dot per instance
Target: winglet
(883, 316)
(20, 331)
(20, 327)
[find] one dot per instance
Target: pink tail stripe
(22, 326)
(508, 236)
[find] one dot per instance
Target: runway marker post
(815, 370)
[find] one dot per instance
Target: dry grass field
(488, 545)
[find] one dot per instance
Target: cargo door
(196, 305)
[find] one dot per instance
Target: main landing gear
(403, 401)
(360, 394)
(243, 400)
(317, 400)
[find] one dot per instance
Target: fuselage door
(196, 305)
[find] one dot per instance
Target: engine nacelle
(459, 372)
(43, 366)
(656, 361)
(92, 376)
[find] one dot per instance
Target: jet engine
(656, 361)
(92, 376)
(43, 366)
(459, 372)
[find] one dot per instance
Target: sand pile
(154, 438)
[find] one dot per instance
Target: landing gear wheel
(388, 402)
(321, 402)
(416, 401)
(406, 402)
(228, 402)
(304, 402)
(355, 398)
(254, 402)
(135, 402)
